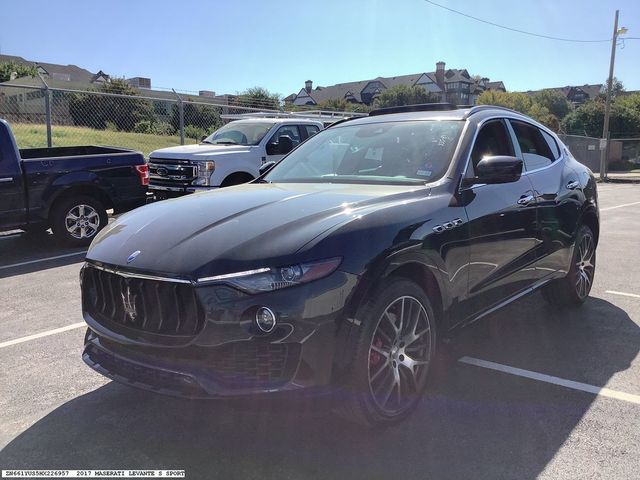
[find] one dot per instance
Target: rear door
(12, 197)
(558, 195)
(502, 226)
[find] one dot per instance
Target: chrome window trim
(506, 116)
(143, 276)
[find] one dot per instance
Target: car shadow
(27, 253)
(474, 423)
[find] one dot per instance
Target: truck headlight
(268, 279)
(205, 169)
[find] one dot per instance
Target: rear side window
(493, 139)
(311, 130)
(552, 144)
(536, 152)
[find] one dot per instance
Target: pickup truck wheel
(76, 220)
(574, 288)
(392, 346)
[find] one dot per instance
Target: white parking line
(73, 326)
(624, 294)
(13, 265)
(541, 377)
(619, 206)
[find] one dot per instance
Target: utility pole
(604, 152)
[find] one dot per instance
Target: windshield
(235, 133)
(391, 152)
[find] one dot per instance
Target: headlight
(205, 169)
(268, 279)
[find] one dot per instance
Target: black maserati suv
(342, 266)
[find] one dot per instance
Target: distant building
(447, 85)
(577, 95)
(27, 104)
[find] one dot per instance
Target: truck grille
(164, 308)
(171, 173)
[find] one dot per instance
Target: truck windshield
(239, 134)
(392, 152)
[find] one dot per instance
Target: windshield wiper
(225, 142)
(207, 141)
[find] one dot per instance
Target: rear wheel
(392, 351)
(574, 288)
(76, 220)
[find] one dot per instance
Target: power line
(549, 37)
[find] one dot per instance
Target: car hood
(204, 150)
(237, 228)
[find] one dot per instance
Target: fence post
(47, 109)
(180, 116)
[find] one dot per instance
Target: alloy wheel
(399, 355)
(585, 266)
(82, 221)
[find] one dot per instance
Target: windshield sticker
(424, 173)
(374, 153)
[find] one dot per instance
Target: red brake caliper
(375, 357)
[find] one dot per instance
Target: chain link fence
(624, 153)
(42, 116)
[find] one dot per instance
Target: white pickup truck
(229, 156)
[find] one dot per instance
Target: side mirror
(498, 169)
(285, 144)
(265, 167)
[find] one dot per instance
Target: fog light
(265, 319)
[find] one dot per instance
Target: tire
(388, 360)
(236, 179)
(573, 289)
(91, 217)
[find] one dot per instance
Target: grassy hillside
(31, 135)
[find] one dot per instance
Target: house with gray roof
(447, 85)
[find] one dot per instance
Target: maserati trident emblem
(133, 256)
(129, 302)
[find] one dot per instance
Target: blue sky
(228, 46)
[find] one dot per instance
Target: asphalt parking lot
(528, 392)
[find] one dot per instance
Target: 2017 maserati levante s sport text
(341, 267)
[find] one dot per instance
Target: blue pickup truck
(67, 189)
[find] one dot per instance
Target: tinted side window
(552, 144)
(493, 139)
(311, 130)
(536, 152)
(290, 130)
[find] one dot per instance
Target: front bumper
(228, 357)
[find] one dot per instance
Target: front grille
(153, 306)
(251, 362)
(170, 172)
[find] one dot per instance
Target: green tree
(258, 97)
(554, 102)
(99, 111)
(341, 105)
(404, 95)
(588, 119)
(201, 116)
(520, 102)
(7, 69)
(617, 89)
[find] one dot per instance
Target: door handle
(573, 184)
(525, 200)
(6, 179)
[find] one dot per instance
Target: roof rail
(424, 107)
(479, 108)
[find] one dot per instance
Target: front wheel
(76, 220)
(574, 288)
(392, 349)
